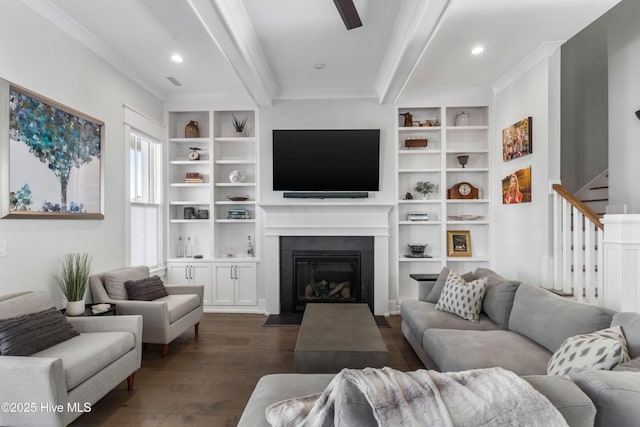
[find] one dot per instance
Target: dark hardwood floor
(207, 381)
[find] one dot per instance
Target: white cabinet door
(183, 273)
(246, 284)
(223, 292)
(178, 273)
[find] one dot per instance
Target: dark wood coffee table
(336, 336)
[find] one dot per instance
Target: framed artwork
(516, 187)
(517, 140)
(458, 243)
(50, 157)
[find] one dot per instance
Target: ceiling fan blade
(349, 14)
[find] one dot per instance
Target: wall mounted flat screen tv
(326, 160)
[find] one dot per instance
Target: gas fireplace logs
(324, 289)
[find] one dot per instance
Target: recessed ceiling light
(176, 58)
(477, 50)
(319, 66)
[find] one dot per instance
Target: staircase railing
(577, 247)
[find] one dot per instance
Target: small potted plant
(76, 269)
(425, 188)
(239, 125)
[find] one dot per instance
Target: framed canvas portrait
(51, 157)
(458, 243)
(517, 140)
(516, 187)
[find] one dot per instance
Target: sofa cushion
(598, 350)
(85, 355)
(630, 323)
(114, 280)
(615, 394)
(575, 406)
(180, 304)
(462, 298)
(458, 350)
(549, 319)
(30, 333)
(25, 303)
(434, 294)
(419, 315)
(631, 365)
(498, 297)
(147, 289)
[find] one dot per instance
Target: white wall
(523, 232)
(624, 99)
(328, 114)
(38, 56)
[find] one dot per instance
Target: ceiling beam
(348, 13)
(417, 23)
(228, 25)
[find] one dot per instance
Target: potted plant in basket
(239, 125)
(76, 269)
(425, 188)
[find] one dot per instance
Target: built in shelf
(405, 259)
(189, 140)
(467, 201)
(468, 259)
(190, 162)
(421, 170)
(234, 139)
(467, 222)
(235, 221)
(459, 128)
(186, 184)
(467, 170)
(418, 128)
(188, 202)
(419, 222)
(420, 201)
(188, 221)
(419, 151)
(235, 184)
(469, 151)
(231, 202)
(235, 162)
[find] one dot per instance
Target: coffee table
(336, 336)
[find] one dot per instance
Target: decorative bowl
(417, 250)
(236, 176)
(238, 198)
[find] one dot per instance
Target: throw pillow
(436, 291)
(30, 333)
(462, 298)
(631, 365)
(147, 289)
(602, 349)
(114, 280)
(498, 297)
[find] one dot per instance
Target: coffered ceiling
(273, 49)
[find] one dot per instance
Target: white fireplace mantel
(326, 218)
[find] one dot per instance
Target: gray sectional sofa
(519, 329)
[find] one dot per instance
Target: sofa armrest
(32, 381)
(186, 289)
(424, 288)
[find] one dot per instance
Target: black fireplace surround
(321, 269)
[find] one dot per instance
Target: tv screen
(326, 160)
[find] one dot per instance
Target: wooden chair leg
(197, 327)
(165, 350)
(130, 380)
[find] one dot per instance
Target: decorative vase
(191, 130)
(425, 196)
(75, 308)
(462, 118)
(236, 176)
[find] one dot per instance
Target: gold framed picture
(458, 243)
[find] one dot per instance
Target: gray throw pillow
(434, 295)
(498, 298)
(114, 280)
(34, 332)
(631, 365)
(147, 289)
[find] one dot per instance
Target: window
(144, 213)
(145, 188)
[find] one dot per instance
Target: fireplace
(325, 269)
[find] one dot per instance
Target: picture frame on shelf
(516, 187)
(51, 157)
(517, 140)
(458, 243)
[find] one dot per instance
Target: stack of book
(238, 214)
(193, 178)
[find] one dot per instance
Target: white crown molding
(228, 25)
(417, 23)
(57, 17)
(542, 52)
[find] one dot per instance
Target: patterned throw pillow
(462, 298)
(602, 349)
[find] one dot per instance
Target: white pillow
(602, 349)
(462, 298)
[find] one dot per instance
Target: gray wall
(584, 125)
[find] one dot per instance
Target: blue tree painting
(59, 139)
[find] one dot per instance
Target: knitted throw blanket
(481, 397)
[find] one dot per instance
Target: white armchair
(165, 318)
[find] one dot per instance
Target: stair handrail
(576, 203)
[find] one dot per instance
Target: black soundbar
(327, 195)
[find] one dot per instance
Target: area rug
(295, 319)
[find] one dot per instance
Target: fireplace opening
(326, 277)
(325, 269)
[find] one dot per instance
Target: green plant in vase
(73, 279)
(425, 188)
(239, 125)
